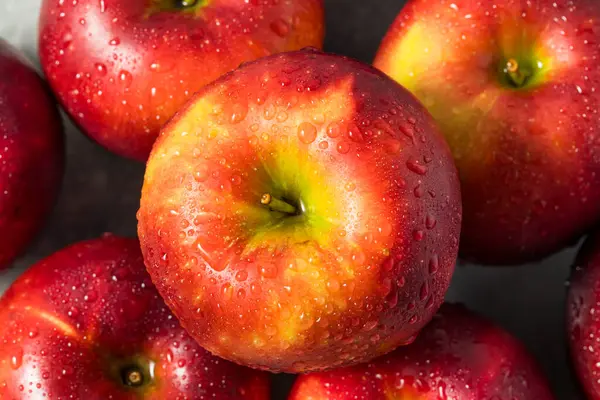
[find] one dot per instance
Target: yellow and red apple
(31, 153)
(514, 87)
(122, 68)
(86, 323)
(301, 213)
(458, 356)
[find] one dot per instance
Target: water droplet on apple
(16, 358)
(323, 145)
(307, 133)
(73, 312)
(100, 68)
(386, 287)
(417, 168)
(115, 42)
(268, 271)
(201, 173)
(334, 130)
(239, 113)
(392, 146)
(354, 133)
(434, 264)
(91, 296)
(269, 112)
(392, 298)
(333, 285)
(282, 116)
(241, 275)
(388, 264)
(424, 291)
(280, 27)
(401, 281)
(408, 131)
(430, 221)
(418, 191)
(170, 356)
(343, 147)
(429, 303)
(418, 235)
(102, 6)
(385, 229)
(67, 39)
(125, 78)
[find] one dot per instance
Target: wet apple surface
(122, 68)
(583, 321)
(513, 86)
(87, 323)
(31, 153)
(301, 213)
(458, 356)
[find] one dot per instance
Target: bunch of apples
(301, 212)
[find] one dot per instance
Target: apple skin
(32, 159)
(528, 157)
(366, 263)
(458, 356)
(583, 322)
(122, 68)
(75, 320)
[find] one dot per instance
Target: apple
(87, 323)
(31, 153)
(122, 68)
(583, 322)
(459, 355)
(301, 213)
(513, 86)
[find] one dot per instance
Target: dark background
(101, 194)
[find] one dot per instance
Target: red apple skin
(583, 322)
(366, 264)
(528, 158)
(73, 320)
(458, 356)
(122, 68)
(31, 153)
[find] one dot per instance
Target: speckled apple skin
(122, 68)
(31, 153)
(528, 158)
(458, 356)
(73, 318)
(583, 322)
(366, 265)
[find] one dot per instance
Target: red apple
(513, 85)
(122, 68)
(301, 213)
(458, 356)
(31, 153)
(86, 323)
(583, 319)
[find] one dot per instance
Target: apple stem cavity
(276, 204)
(516, 74)
(133, 377)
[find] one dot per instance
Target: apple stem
(515, 73)
(277, 205)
